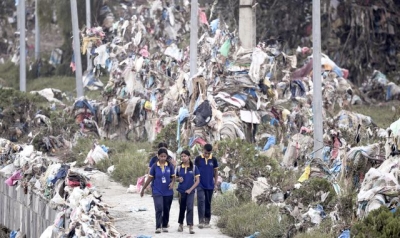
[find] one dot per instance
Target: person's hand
(215, 188)
(142, 193)
(180, 179)
(171, 186)
(188, 191)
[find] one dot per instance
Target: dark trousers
(162, 205)
(204, 197)
(186, 204)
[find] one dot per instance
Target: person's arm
(215, 174)
(172, 184)
(150, 164)
(148, 181)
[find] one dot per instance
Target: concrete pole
(88, 25)
(37, 32)
(77, 50)
(193, 36)
(317, 86)
(247, 29)
(22, 46)
(18, 17)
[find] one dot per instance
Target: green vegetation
(380, 223)
(130, 159)
(310, 192)
(223, 202)
(325, 230)
(167, 135)
(248, 218)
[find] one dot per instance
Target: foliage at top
(380, 223)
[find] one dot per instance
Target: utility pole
(317, 90)
(247, 24)
(37, 32)
(88, 25)
(193, 36)
(22, 46)
(77, 50)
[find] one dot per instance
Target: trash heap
(378, 87)
(68, 190)
(235, 93)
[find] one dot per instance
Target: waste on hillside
(68, 190)
(262, 95)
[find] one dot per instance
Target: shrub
(380, 223)
(309, 192)
(323, 231)
(244, 220)
(167, 135)
(223, 202)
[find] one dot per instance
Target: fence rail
(29, 212)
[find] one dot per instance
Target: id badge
(163, 180)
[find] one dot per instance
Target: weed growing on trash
(311, 191)
(323, 231)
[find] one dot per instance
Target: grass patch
(381, 113)
(223, 202)
(130, 159)
(246, 219)
(9, 77)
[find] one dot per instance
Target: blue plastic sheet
(270, 142)
(214, 25)
(13, 234)
(225, 187)
(255, 235)
(345, 234)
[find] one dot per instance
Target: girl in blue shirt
(163, 177)
(188, 178)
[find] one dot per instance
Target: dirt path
(134, 223)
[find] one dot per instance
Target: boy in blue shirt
(208, 167)
(162, 174)
(188, 178)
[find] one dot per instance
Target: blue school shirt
(158, 172)
(188, 177)
(206, 169)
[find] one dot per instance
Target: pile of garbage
(67, 189)
(373, 48)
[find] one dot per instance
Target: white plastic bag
(96, 155)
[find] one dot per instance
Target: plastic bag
(96, 155)
(140, 183)
(224, 50)
(48, 233)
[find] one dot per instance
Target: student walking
(188, 177)
(163, 177)
(208, 168)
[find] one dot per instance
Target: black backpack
(203, 114)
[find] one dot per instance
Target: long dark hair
(186, 152)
